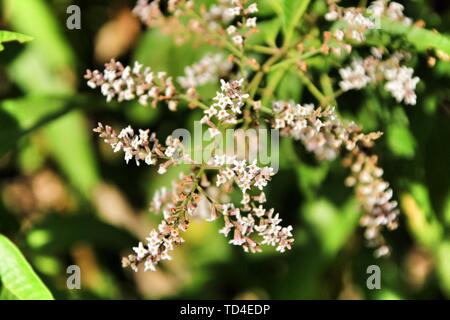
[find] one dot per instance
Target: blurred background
(66, 199)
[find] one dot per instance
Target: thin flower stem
(265, 69)
(202, 191)
(327, 87)
(295, 58)
(198, 103)
(262, 49)
(312, 88)
(266, 110)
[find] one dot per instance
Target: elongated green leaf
(331, 225)
(401, 141)
(8, 36)
(18, 279)
(293, 10)
(421, 38)
(53, 66)
(420, 217)
(36, 19)
(268, 31)
(70, 144)
(443, 266)
(19, 117)
(57, 233)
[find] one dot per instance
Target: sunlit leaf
(19, 117)
(421, 38)
(8, 36)
(292, 10)
(400, 140)
(18, 280)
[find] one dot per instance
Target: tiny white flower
(251, 22)
(140, 250)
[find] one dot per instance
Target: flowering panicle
(228, 103)
(354, 76)
(213, 20)
(150, 10)
(246, 24)
(208, 22)
(321, 131)
(246, 176)
(144, 147)
(227, 24)
(166, 200)
(356, 21)
(161, 241)
(389, 9)
(375, 197)
(326, 135)
(247, 227)
(126, 83)
(251, 221)
(208, 70)
(399, 79)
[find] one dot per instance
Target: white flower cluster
(246, 176)
(208, 22)
(326, 135)
(218, 14)
(126, 83)
(390, 9)
(144, 147)
(356, 23)
(358, 20)
(259, 222)
(159, 244)
(166, 200)
(401, 84)
(182, 199)
(400, 80)
(354, 76)
(251, 220)
(147, 10)
(375, 196)
(213, 19)
(246, 24)
(321, 131)
(208, 70)
(228, 103)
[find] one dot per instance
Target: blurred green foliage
(46, 116)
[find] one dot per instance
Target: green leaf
(421, 38)
(19, 117)
(36, 19)
(70, 143)
(8, 36)
(57, 234)
(18, 279)
(273, 81)
(401, 141)
(420, 217)
(443, 266)
(292, 12)
(331, 225)
(59, 120)
(290, 86)
(268, 31)
(146, 54)
(47, 66)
